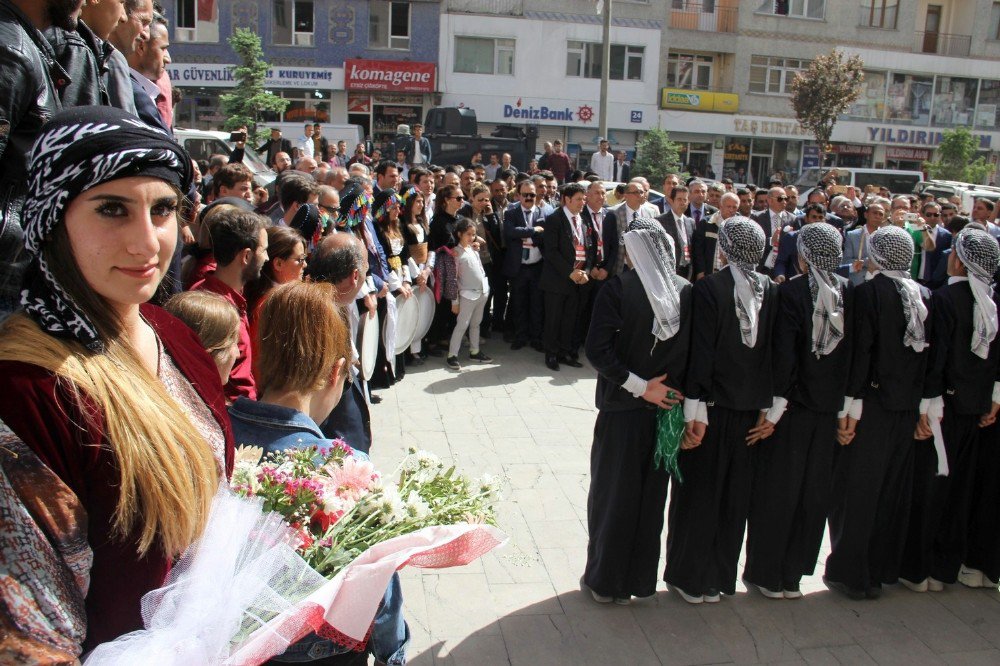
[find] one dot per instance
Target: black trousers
(708, 508)
(382, 376)
(940, 506)
(496, 305)
(526, 303)
(561, 311)
(625, 505)
(790, 498)
(873, 478)
(984, 528)
(586, 310)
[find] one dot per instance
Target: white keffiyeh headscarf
(981, 255)
(819, 244)
(891, 248)
(741, 241)
(651, 251)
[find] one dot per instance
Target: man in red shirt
(559, 163)
(239, 243)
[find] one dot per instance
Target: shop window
(812, 9)
(583, 59)
(293, 23)
(879, 14)
(704, 6)
(307, 106)
(197, 21)
(988, 105)
(954, 101)
(995, 21)
(389, 25)
(771, 75)
(688, 71)
(908, 99)
(871, 104)
(480, 55)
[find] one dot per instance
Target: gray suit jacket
(852, 252)
(118, 82)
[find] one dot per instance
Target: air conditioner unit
(185, 34)
(303, 39)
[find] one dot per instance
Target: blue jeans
(389, 639)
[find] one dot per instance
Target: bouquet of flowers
(306, 540)
(340, 506)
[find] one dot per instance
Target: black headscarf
(78, 149)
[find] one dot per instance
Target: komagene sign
(389, 75)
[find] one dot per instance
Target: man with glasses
(933, 271)
(773, 221)
(628, 211)
(856, 242)
(698, 209)
(522, 230)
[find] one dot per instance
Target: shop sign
(358, 103)
(768, 127)
(565, 114)
(221, 76)
(697, 100)
(907, 154)
(736, 152)
(389, 75)
(916, 137)
(852, 149)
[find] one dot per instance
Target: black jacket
(29, 76)
(84, 56)
(118, 82)
(559, 253)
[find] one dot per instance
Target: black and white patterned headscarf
(981, 255)
(741, 241)
(819, 245)
(891, 248)
(78, 149)
(651, 251)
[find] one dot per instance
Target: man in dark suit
(931, 272)
(276, 144)
(570, 253)
(698, 209)
(148, 62)
(787, 264)
(679, 227)
(602, 220)
(522, 231)
(772, 220)
(621, 171)
(705, 239)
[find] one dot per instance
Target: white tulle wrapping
(242, 574)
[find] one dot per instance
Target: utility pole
(605, 69)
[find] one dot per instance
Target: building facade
(367, 62)
(929, 67)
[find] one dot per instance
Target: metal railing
(704, 16)
(497, 7)
(942, 44)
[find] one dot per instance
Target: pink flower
(352, 478)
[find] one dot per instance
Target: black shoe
(574, 356)
(570, 361)
(874, 591)
(416, 360)
(481, 357)
(849, 592)
(551, 362)
(453, 363)
(485, 334)
(538, 347)
(508, 337)
(376, 399)
(517, 345)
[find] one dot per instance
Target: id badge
(524, 254)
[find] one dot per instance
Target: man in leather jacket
(84, 53)
(30, 78)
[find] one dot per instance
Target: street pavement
(522, 604)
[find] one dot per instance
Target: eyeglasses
(459, 198)
(932, 215)
(300, 260)
(781, 198)
(527, 196)
(634, 192)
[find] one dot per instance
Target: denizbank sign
(564, 114)
(221, 76)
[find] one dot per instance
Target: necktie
(697, 216)
(635, 216)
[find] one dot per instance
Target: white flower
(416, 507)
(487, 483)
(390, 506)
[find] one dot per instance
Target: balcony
(703, 16)
(942, 44)
(494, 7)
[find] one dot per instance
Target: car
(202, 144)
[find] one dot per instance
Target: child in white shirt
(473, 291)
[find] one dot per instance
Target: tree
(249, 100)
(656, 156)
(958, 158)
(823, 91)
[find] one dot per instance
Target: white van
(896, 180)
(202, 144)
(334, 132)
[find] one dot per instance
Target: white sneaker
(712, 597)
(934, 585)
(792, 594)
(770, 594)
(971, 577)
(599, 598)
(623, 601)
(690, 598)
(915, 587)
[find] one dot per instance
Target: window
(879, 14)
(704, 6)
(995, 22)
(480, 55)
(197, 21)
(871, 104)
(813, 9)
(584, 59)
(293, 22)
(389, 25)
(908, 99)
(691, 72)
(772, 75)
(954, 101)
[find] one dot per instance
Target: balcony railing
(496, 7)
(942, 44)
(704, 16)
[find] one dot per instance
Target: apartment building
(726, 83)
